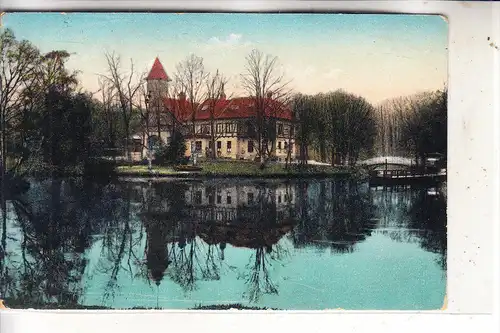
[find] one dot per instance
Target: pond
(180, 244)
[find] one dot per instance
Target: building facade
(233, 125)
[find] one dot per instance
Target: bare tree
(266, 84)
(108, 96)
(127, 85)
(216, 103)
(191, 78)
(302, 106)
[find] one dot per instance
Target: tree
(64, 116)
(190, 79)
(174, 152)
(338, 121)
(108, 114)
(302, 107)
(270, 93)
(216, 103)
(127, 89)
(18, 63)
(415, 125)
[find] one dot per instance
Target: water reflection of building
(239, 203)
(180, 217)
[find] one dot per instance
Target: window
(219, 128)
(219, 145)
(210, 198)
(205, 129)
(197, 198)
(279, 145)
(229, 146)
(219, 199)
(286, 145)
(228, 199)
(280, 129)
(198, 145)
(250, 198)
(279, 198)
(229, 128)
(250, 146)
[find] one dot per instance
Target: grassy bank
(241, 169)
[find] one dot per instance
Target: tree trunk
(213, 153)
(127, 150)
(322, 151)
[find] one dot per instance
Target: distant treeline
(340, 127)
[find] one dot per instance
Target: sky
(376, 56)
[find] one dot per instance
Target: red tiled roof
(157, 72)
(242, 107)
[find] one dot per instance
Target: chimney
(182, 96)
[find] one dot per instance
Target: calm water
(304, 245)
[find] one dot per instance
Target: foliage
(18, 64)
(338, 124)
(173, 153)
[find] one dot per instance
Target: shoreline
(4, 304)
(225, 169)
(201, 175)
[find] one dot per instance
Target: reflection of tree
(256, 282)
(413, 216)
(428, 220)
(171, 246)
(187, 242)
(258, 279)
(333, 214)
(120, 238)
(185, 262)
(54, 223)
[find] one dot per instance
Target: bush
(173, 153)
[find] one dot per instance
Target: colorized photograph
(212, 161)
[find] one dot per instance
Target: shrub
(173, 153)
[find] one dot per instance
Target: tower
(157, 80)
(157, 90)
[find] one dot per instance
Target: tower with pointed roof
(157, 80)
(157, 90)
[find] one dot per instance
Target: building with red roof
(231, 123)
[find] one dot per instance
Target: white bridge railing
(389, 160)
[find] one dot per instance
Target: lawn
(239, 168)
(143, 169)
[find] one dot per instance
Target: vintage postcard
(217, 161)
